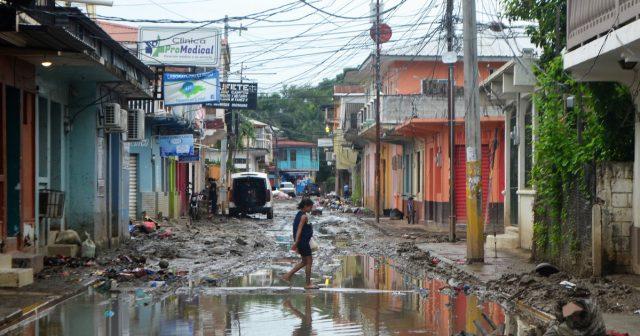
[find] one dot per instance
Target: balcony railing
(588, 20)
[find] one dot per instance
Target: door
(3, 190)
(461, 176)
(27, 170)
(133, 186)
(12, 164)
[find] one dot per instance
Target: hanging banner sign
(185, 46)
(325, 142)
(195, 157)
(237, 96)
(191, 89)
(176, 145)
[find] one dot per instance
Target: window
(282, 155)
(293, 155)
(240, 161)
(353, 121)
(314, 154)
(434, 87)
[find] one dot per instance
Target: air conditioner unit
(135, 125)
(115, 118)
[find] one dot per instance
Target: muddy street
(222, 276)
(231, 286)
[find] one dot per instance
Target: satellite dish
(449, 57)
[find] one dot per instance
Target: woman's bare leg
(307, 271)
(295, 269)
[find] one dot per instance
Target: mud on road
(212, 253)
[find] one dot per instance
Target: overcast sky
(304, 45)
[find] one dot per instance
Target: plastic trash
(155, 284)
(109, 313)
(568, 285)
(88, 247)
(68, 237)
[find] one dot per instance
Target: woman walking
(302, 233)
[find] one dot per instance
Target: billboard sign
(180, 46)
(176, 145)
(195, 157)
(325, 142)
(191, 89)
(238, 96)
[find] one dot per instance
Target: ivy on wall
(568, 141)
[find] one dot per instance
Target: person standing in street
(213, 196)
(302, 233)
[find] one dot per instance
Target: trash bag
(148, 226)
(68, 237)
(88, 247)
(584, 319)
(396, 214)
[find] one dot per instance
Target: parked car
(312, 189)
(250, 194)
(288, 188)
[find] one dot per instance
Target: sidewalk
(514, 261)
(517, 262)
(21, 303)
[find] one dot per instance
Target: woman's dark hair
(304, 203)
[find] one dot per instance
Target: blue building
(67, 159)
(297, 160)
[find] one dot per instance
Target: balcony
(588, 20)
(601, 37)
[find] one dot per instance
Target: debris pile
(410, 251)
(543, 291)
(344, 205)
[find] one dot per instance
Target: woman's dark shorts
(304, 249)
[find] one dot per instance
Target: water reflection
(430, 308)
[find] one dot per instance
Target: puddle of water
(407, 306)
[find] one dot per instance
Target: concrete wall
(526, 199)
(85, 210)
(614, 190)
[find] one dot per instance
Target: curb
(30, 311)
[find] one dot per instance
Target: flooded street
(365, 296)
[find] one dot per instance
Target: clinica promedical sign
(180, 46)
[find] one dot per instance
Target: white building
(603, 44)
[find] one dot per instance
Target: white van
(250, 194)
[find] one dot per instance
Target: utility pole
(228, 143)
(475, 226)
(451, 115)
(378, 89)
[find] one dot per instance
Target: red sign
(385, 33)
(214, 124)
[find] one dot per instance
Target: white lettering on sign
(141, 143)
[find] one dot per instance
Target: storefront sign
(325, 142)
(176, 145)
(238, 96)
(180, 46)
(190, 89)
(195, 157)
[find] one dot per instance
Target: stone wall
(614, 189)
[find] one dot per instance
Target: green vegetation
(568, 141)
(298, 112)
